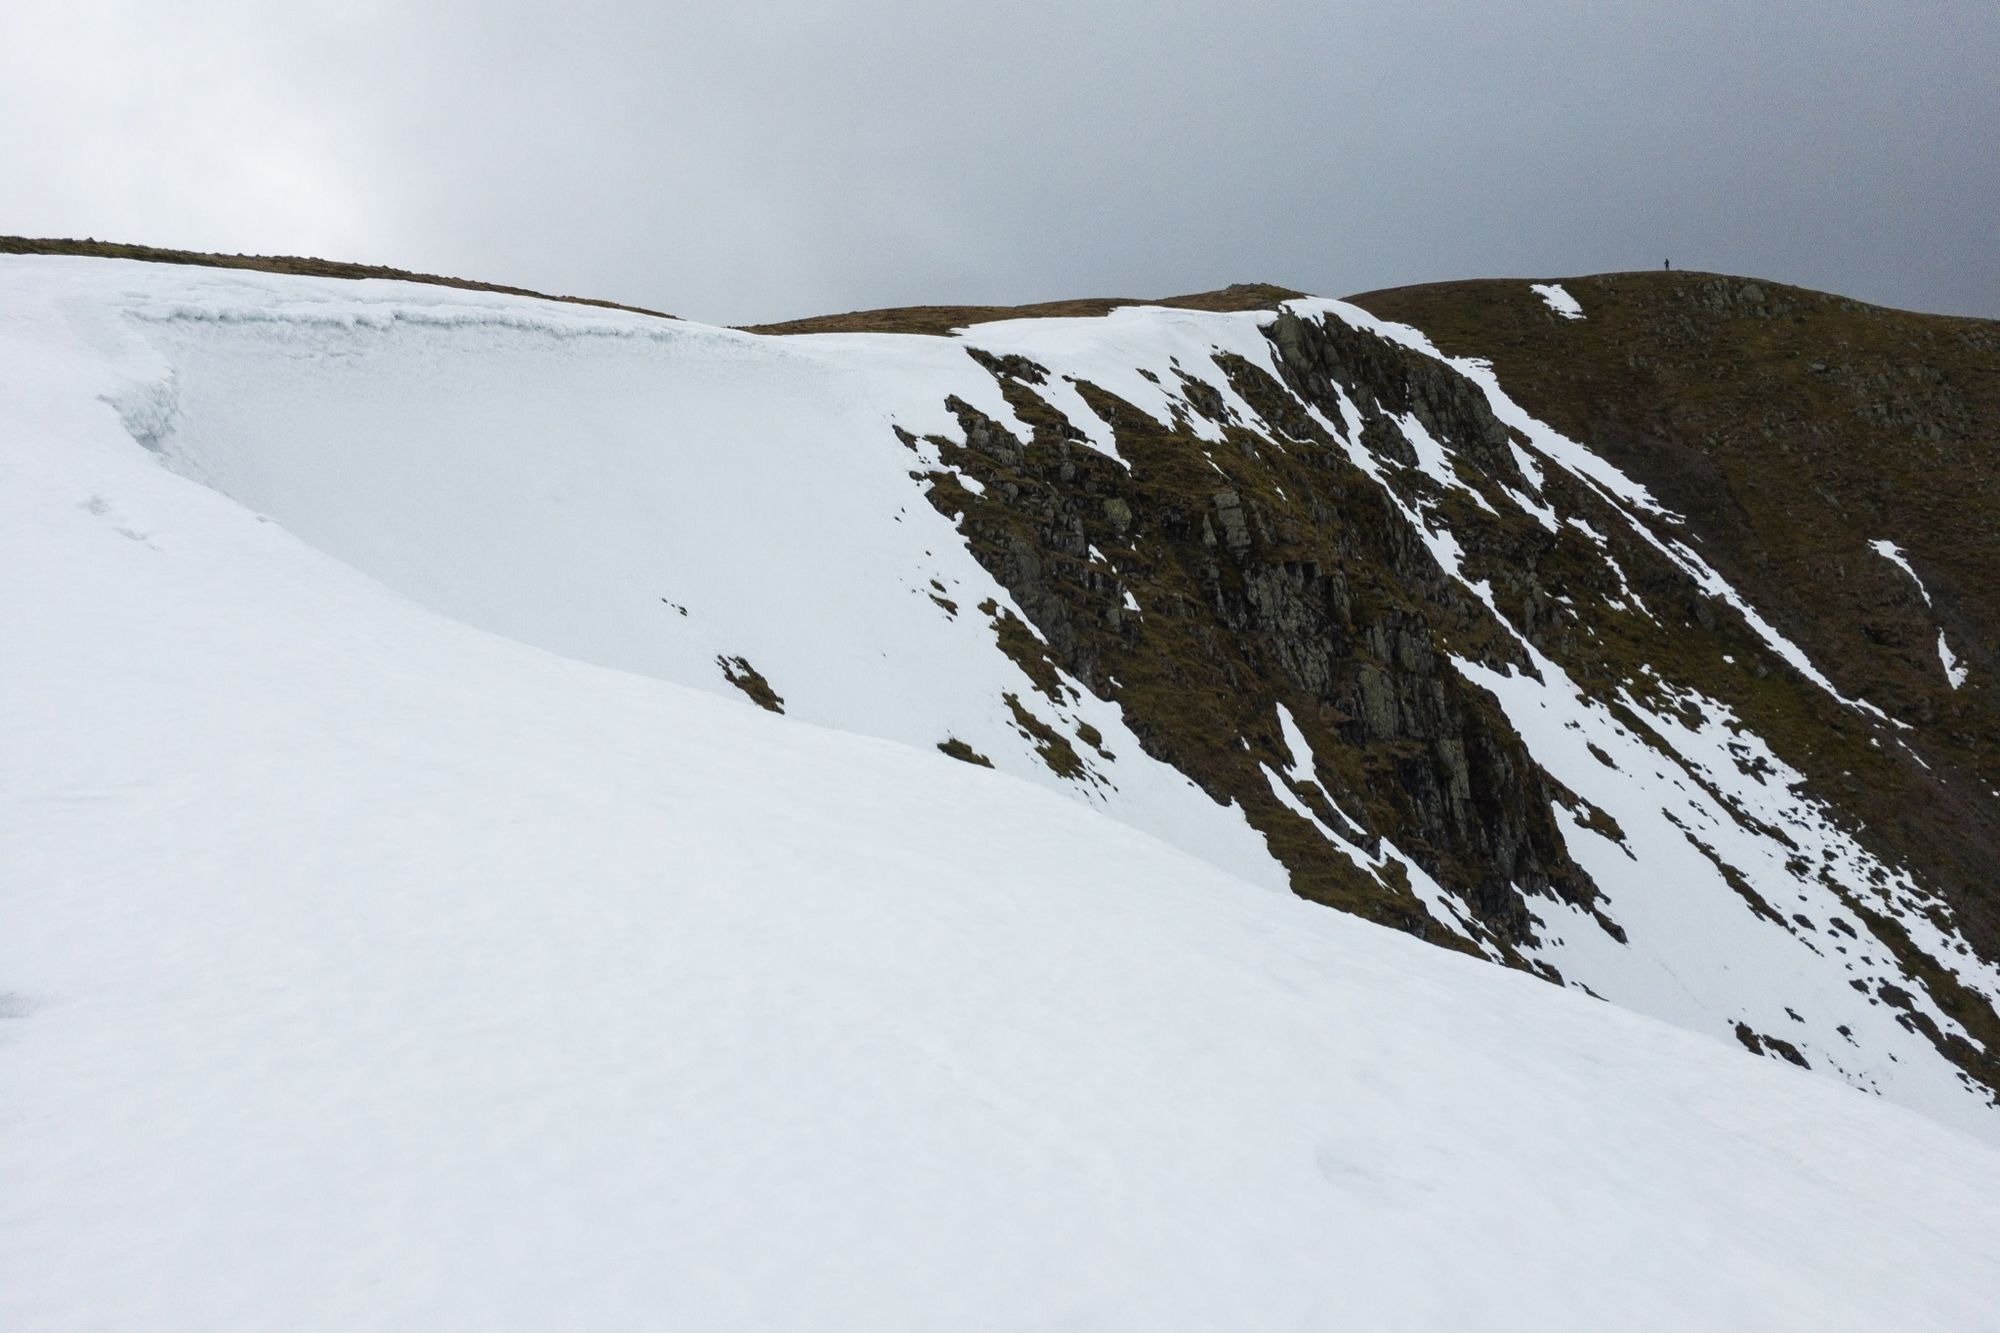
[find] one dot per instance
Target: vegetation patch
(1050, 744)
(750, 680)
(964, 753)
(1019, 643)
(1758, 1044)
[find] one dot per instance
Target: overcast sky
(749, 161)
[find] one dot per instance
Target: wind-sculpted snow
(637, 493)
(366, 971)
(683, 502)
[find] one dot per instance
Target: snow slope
(661, 497)
(364, 970)
(638, 493)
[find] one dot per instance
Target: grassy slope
(942, 319)
(302, 265)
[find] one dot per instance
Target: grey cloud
(755, 161)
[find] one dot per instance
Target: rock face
(1299, 583)
(1349, 547)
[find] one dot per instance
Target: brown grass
(295, 264)
(940, 320)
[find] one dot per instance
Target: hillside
(1802, 438)
(1275, 581)
(363, 969)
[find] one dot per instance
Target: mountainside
(1273, 579)
(359, 969)
(1836, 462)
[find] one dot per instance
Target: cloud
(756, 161)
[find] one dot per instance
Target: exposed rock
(1303, 582)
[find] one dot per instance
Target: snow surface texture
(365, 971)
(655, 496)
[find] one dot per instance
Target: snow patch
(1558, 300)
(1954, 674)
(1889, 551)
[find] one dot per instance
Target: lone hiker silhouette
(1667, 265)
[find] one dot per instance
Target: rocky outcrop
(1269, 572)
(1348, 555)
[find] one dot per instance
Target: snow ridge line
(386, 317)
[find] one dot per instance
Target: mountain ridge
(360, 969)
(883, 319)
(1289, 586)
